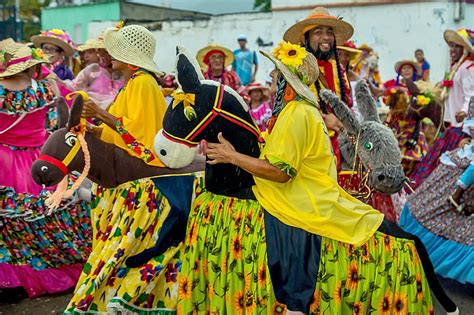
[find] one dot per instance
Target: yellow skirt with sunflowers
(125, 221)
(225, 268)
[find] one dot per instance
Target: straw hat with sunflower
(24, 58)
(56, 37)
(319, 17)
(299, 68)
(460, 37)
(204, 54)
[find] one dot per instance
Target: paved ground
(463, 296)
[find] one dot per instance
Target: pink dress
(38, 254)
(261, 115)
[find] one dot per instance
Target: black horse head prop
(199, 112)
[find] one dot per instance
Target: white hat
(242, 37)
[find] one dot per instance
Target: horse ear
(341, 111)
(366, 102)
(412, 88)
(76, 112)
(188, 74)
(63, 111)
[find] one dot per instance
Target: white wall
(394, 31)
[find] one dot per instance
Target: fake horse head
(373, 143)
(199, 112)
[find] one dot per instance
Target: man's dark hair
(419, 50)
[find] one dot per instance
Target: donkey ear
(366, 102)
(341, 111)
(188, 74)
(76, 112)
(63, 111)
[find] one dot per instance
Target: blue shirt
(243, 64)
(425, 66)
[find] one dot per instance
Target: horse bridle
(216, 111)
(64, 163)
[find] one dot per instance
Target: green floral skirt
(225, 268)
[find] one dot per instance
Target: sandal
(459, 207)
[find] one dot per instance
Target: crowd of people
(298, 178)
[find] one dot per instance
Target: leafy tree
(263, 5)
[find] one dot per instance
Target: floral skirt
(126, 220)
(41, 253)
(225, 268)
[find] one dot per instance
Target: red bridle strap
(62, 167)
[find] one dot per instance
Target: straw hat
(365, 47)
(460, 37)
(319, 17)
(24, 58)
(56, 37)
(401, 63)
(349, 47)
(132, 44)
(257, 86)
(204, 53)
(6, 42)
(92, 43)
(299, 75)
(12, 48)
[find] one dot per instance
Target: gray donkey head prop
(373, 143)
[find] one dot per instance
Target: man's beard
(319, 54)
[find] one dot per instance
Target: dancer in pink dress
(38, 254)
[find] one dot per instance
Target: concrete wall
(394, 31)
(76, 19)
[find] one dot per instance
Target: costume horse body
(219, 109)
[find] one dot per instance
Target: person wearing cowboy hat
(24, 107)
(461, 84)
(59, 46)
(97, 79)
(320, 33)
(214, 59)
(348, 55)
(259, 108)
(296, 184)
(406, 70)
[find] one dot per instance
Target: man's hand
(460, 116)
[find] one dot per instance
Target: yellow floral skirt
(126, 220)
(225, 268)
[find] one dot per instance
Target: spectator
(423, 64)
(245, 60)
(259, 108)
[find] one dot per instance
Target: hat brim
(39, 40)
(293, 80)
(265, 91)
(84, 47)
(451, 36)
(401, 63)
(129, 54)
(343, 31)
(354, 53)
(229, 55)
(20, 67)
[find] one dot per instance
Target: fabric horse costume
(232, 243)
(131, 200)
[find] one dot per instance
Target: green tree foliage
(263, 5)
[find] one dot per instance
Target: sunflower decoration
(289, 54)
(57, 31)
(37, 53)
(120, 24)
(424, 99)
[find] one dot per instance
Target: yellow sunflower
(422, 100)
(337, 294)
(357, 308)
(419, 287)
(239, 302)
(316, 302)
(400, 304)
(387, 243)
(192, 234)
(210, 290)
(185, 288)
(365, 252)
(385, 304)
(290, 54)
(237, 247)
(262, 276)
(352, 276)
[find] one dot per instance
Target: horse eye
(70, 140)
(368, 146)
(163, 152)
(44, 168)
